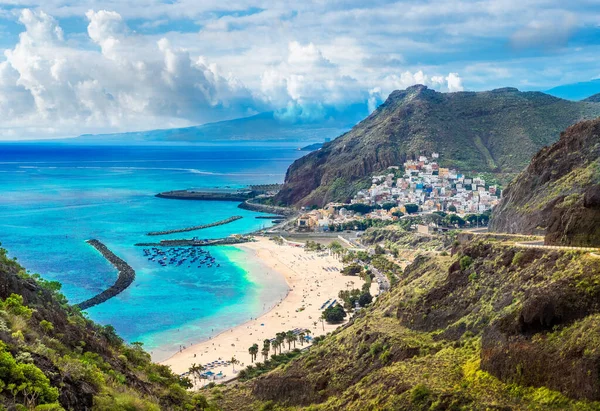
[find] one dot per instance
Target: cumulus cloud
(308, 84)
(48, 87)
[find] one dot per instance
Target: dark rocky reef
(495, 131)
(558, 194)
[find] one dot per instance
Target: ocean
(53, 197)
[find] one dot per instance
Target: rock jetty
(198, 227)
(124, 279)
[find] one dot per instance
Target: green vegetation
(260, 368)
(53, 358)
(439, 342)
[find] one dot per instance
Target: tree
(365, 299)
(352, 269)
(233, 362)
(290, 338)
(196, 370)
(335, 314)
(253, 352)
(280, 338)
(397, 213)
(275, 344)
(336, 248)
(388, 206)
(452, 208)
(301, 337)
(411, 208)
(265, 353)
(200, 402)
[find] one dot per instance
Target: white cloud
(129, 84)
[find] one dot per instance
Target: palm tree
(233, 362)
(275, 344)
(196, 370)
(302, 336)
(280, 338)
(253, 352)
(265, 353)
(307, 332)
(266, 348)
(289, 338)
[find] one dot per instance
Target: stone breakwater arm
(264, 208)
(198, 227)
(124, 279)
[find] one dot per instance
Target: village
(420, 186)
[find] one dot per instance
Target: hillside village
(420, 185)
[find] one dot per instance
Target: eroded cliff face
(558, 194)
(495, 131)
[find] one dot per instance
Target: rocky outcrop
(558, 194)
(495, 131)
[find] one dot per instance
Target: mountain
(593, 99)
(576, 91)
(494, 131)
(262, 127)
(53, 358)
(490, 327)
(558, 194)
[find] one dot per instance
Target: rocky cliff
(558, 194)
(495, 131)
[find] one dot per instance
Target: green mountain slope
(495, 131)
(492, 327)
(53, 358)
(558, 194)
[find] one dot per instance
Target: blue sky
(73, 67)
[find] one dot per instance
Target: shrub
(465, 262)
(518, 258)
(14, 304)
(47, 326)
(419, 394)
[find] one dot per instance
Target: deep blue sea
(53, 197)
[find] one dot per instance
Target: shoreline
(312, 279)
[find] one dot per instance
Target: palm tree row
(289, 337)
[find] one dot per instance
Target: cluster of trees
(453, 220)
(313, 246)
(352, 269)
(351, 297)
(359, 224)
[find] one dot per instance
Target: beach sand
(313, 278)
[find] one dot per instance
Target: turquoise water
(54, 197)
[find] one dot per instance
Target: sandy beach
(313, 278)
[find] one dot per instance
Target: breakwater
(196, 243)
(206, 195)
(270, 217)
(198, 227)
(125, 277)
(263, 208)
